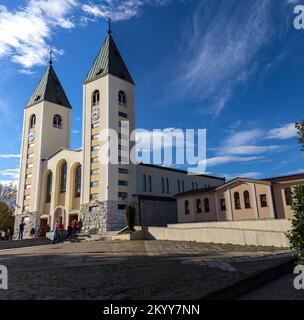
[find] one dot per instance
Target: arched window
(187, 208)
(63, 178)
(247, 200)
(49, 180)
(167, 185)
(198, 206)
(162, 185)
(57, 121)
(122, 98)
(144, 183)
(33, 121)
(237, 202)
(206, 205)
(78, 181)
(288, 196)
(95, 98)
(149, 184)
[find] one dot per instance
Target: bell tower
(108, 103)
(46, 129)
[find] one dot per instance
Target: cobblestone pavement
(130, 270)
(279, 289)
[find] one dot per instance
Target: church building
(58, 184)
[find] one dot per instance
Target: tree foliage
(296, 235)
(8, 194)
(300, 127)
(6, 217)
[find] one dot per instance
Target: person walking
(47, 228)
(37, 231)
(21, 230)
(8, 234)
(79, 226)
(56, 234)
(74, 226)
(3, 235)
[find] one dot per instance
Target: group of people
(60, 234)
(6, 235)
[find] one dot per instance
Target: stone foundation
(104, 216)
(30, 221)
(156, 213)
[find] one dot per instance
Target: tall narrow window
(288, 196)
(167, 185)
(187, 208)
(198, 206)
(57, 121)
(49, 180)
(223, 204)
(33, 121)
(237, 202)
(183, 186)
(162, 185)
(144, 183)
(149, 184)
(178, 186)
(78, 181)
(122, 98)
(95, 98)
(63, 178)
(206, 205)
(247, 200)
(192, 186)
(263, 199)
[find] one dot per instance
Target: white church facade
(59, 184)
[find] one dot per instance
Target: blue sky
(234, 67)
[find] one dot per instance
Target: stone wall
(30, 221)
(104, 217)
(157, 213)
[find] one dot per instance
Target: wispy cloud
(26, 31)
(9, 156)
(12, 173)
(118, 9)
(287, 131)
(221, 46)
(215, 161)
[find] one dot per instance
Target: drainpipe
(256, 202)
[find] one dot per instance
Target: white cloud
(242, 138)
(9, 156)
(252, 175)
(221, 46)
(215, 161)
(287, 131)
(118, 9)
(250, 149)
(12, 173)
(295, 171)
(25, 32)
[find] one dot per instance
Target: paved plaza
(130, 270)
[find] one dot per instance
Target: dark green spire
(109, 61)
(49, 89)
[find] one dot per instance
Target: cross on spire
(109, 24)
(51, 57)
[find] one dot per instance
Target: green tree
(296, 235)
(300, 127)
(6, 217)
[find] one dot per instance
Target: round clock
(31, 136)
(95, 114)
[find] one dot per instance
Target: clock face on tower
(95, 114)
(31, 136)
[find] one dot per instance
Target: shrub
(296, 235)
(130, 214)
